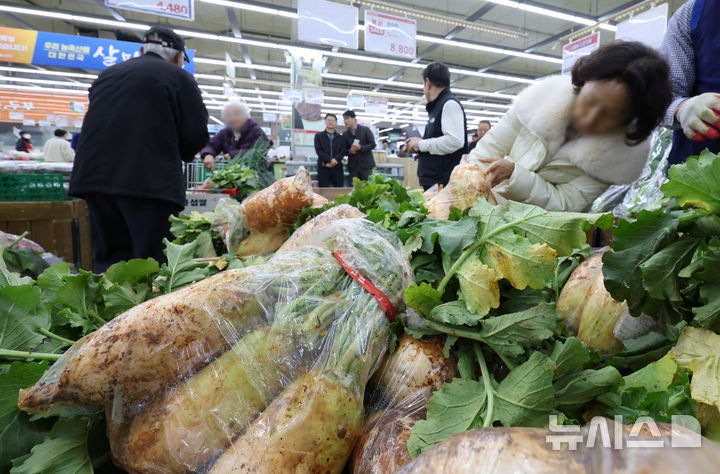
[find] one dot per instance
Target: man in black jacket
(360, 143)
(330, 148)
(146, 115)
(444, 141)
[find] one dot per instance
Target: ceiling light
(250, 7)
(553, 14)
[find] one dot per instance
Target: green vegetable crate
(31, 187)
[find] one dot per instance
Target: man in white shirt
(444, 141)
(58, 148)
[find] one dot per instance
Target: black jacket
(145, 116)
(324, 151)
(436, 169)
(22, 144)
(364, 158)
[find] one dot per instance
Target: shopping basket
(32, 187)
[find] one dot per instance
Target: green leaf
(570, 356)
(634, 243)
(21, 317)
(512, 334)
(180, 269)
(27, 261)
(64, 450)
(698, 350)
(696, 182)
(51, 279)
(454, 312)
(8, 277)
(121, 297)
(478, 286)
(422, 298)
(526, 396)
(578, 388)
(466, 360)
(450, 410)
(17, 433)
(427, 268)
(80, 293)
(452, 236)
(660, 272)
(132, 271)
(521, 262)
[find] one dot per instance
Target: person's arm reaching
(453, 128)
(193, 119)
(677, 48)
(498, 141)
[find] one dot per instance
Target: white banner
(314, 96)
(648, 27)
(376, 105)
(229, 66)
(269, 117)
(184, 9)
(330, 23)
(577, 49)
(355, 101)
(388, 34)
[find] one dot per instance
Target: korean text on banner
(324, 22)
(355, 101)
(55, 49)
(387, 34)
(314, 96)
(577, 49)
(184, 9)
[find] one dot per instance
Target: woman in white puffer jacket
(568, 138)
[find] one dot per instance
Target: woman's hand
(209, 162)
(499, 170)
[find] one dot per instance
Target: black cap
(349, 113)
(168, 38)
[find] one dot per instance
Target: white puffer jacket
(550, 172)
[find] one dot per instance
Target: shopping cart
(196, 174)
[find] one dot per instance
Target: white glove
(696, 114)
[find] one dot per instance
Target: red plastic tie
(379, 296)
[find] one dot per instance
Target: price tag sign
(184, 9)
(292, 94)
(387, 34)
(376, 105)
(577, 49)
(355, 102)
(314, 96)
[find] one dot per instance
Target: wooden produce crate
(60, 227)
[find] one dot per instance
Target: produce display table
(60, 227)
(410, 177)
(389, 169)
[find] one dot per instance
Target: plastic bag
(645, 193)
(397, 396)
(467, 183)
(510, 450)
(307, 233)
(610, 199)
(263, 367)
(6, 240)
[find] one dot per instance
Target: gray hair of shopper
(168, 54)
(235, 104)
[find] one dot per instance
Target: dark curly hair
(642, 70)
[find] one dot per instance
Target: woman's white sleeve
(498, 141)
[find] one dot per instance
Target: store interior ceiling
(494, 49)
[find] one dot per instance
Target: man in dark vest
(444, 141)
(692, 47)
(360, 143)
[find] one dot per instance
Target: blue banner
(56, 49)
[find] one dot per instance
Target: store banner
(55, 49)
(577, 49)
(648, 27)
(376, 105)
(42, 107)
(292, 94)
(183, 9)
(269, 117)
(388, 34)
(323, 22)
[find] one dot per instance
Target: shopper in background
(23, 143)
(386, 146)
(692, 47)
(330, 148)
(240, 134)
(483, 127)
(58, 147)
(566, 139)
(444, 141)
(360, 142)
(134, 181)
